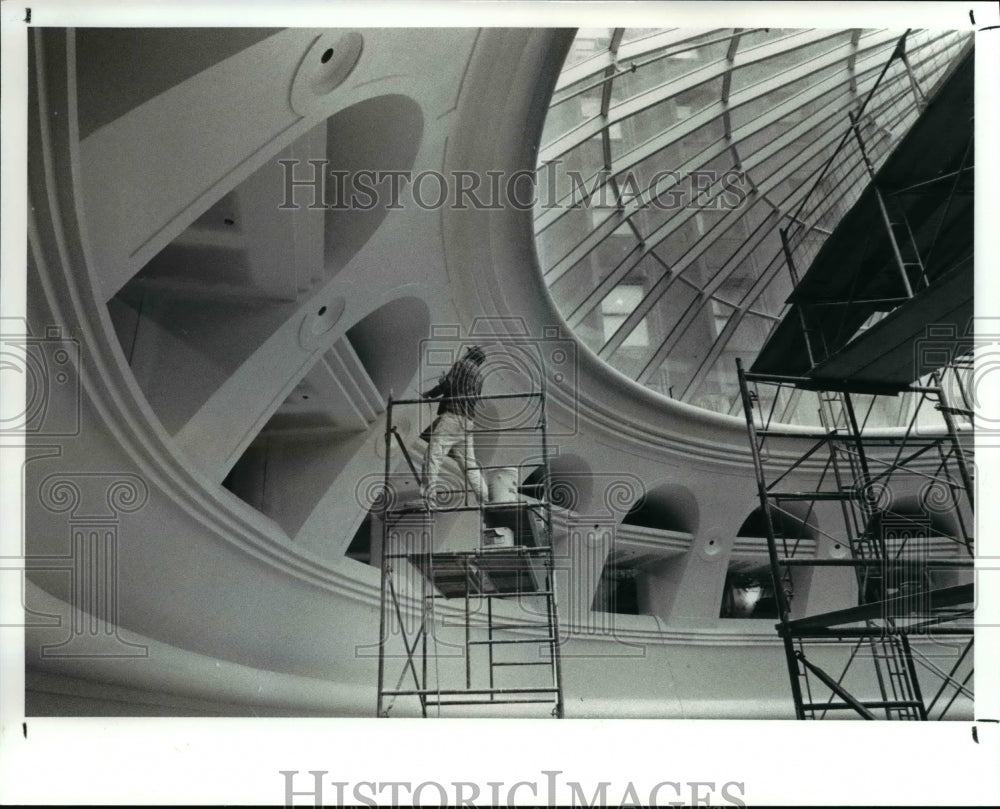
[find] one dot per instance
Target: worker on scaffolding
(450, 434)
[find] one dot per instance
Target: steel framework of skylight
(668, 163)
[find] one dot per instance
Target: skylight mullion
(665, 230)
(722, 273)
(823, 74)
(704, 116)
(670, 88)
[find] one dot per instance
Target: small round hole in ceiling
(325, 65)
(320, 320)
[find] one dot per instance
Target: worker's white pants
(450, 436)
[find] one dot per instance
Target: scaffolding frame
(920, 194)
(898, 600)
(475, 577)
(854, 323)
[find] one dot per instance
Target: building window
(749, 593)
(615, 309)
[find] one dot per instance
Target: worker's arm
(437, 390)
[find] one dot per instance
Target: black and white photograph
(492, 403)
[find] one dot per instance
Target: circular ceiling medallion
(319, 321)
(325, 66)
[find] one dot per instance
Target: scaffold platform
(474, 625)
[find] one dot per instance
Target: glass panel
(612, 252)
(600, 213)
(572, 112)
(761, 36)
(615, 254)
(721, 314)
(632, 34)
(571, 178)
(659, 68)
(671, 307)
(655, 120)
(570, 91)
(738, 283)
(804, 409)
(686, 248)
(583, 275)
(556, 241)
(744, 114)
(698, 97)
(771, 299)
(588, 43)
(651, 218)
(749, 336)
(881, 410)
(719, 390)
(586, 159)
(616, 307)
(698, 333)
(590, 330)
(806, 153)
(772, 67)
(674, 154)
(763, 138)
(622, 300)
(629, 358)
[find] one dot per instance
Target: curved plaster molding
(61, 258)
(184, 673)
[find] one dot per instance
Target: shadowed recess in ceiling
(668, 507)
(381, 134)
(571, 483)
(792, 521)
(388, 343)
(117, 69)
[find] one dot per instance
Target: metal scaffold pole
(899, 602)
(382, 629)
(889, 575)
(772, 550)
(506, 577)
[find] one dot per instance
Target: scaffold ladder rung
(884, 619)
(474, 581)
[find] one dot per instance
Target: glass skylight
(670, 159)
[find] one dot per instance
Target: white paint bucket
(503, 485)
